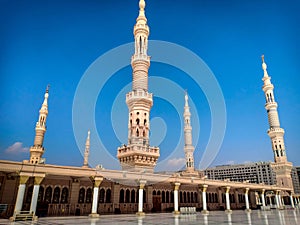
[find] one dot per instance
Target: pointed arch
(64, 195)
(88, 198)
(48, 194)
(108, 196)
(102, 194)
(127, 196)
(132, 200)
(121, 198)
(81, 195)
(56, 195)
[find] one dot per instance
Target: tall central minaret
(138, 154)
(37, 150)
(281, 166)
(188, 143)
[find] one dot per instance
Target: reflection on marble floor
(256, 217)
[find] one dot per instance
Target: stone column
(277, 199)
(35, 193)
(97, 182)
(292, 201)
(281, 200)
(247, 200)
(204, 205)
(176, 188)
(263, 198)
(21, 192)
(141, 193)
(228, 210)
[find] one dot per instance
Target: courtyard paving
(256, 217)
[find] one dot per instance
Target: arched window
(184, 197)
(56, 195)
(180, 197)
(81, 195)
(172, 197)
(163, 197)
(145, 122)
(137, 121)
(88, 198)
(29, 194)
(137, 132)
(127, 196)
(101, 197)
(144, 197)
(108, 196)
(48, 194)
(216, 198)
(132, 200)
(41, 194)
(195, 197)
(64, 195)
(154, 192)
(223, 198)
(158, 192)
(167, 197)
(121, 196)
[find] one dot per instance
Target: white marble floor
(256, 217)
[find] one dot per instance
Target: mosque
(33, 188)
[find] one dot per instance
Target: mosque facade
(53, 190)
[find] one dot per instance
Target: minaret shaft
(138, 153)
(281, 166)
(188, 146)
(37, 150)
(86, 151)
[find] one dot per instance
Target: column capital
(38, 180)
(262, 191)
(142, 183)
(204, 187)
(176, 186)
(23, 179)
(227, 189)
(247, 190)
(97, 180)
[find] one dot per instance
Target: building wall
(296, 177)
(260, 172)
(63, 196)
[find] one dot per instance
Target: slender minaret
(188, 143)
(138, 154)
(87, 151)
(281, 166)
(37, 150)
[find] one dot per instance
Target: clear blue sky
(55, 42)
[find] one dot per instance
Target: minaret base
(138, 158)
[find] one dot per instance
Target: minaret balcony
(272, 132)
(140, 57)
(139, 95)
(138, 149)
(270, 105)
(37, 148)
